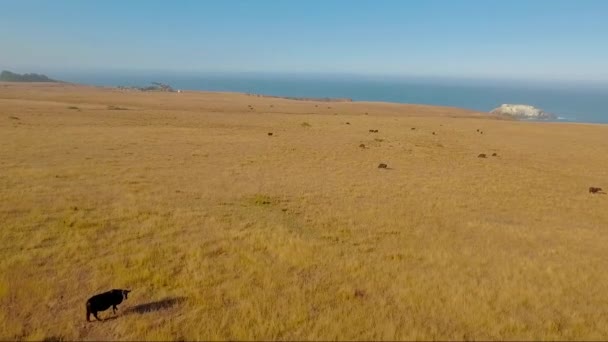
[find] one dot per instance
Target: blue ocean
(569, 101)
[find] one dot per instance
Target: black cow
(594, 190)
(104, 301)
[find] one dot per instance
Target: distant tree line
(7, 76)
(156, 86)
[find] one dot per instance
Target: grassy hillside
(225, 232)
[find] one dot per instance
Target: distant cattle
(382, 166)
(434, 133)
(269, 134)
(594, 190)
(482, 155)
(362, 145)
(348, 123)
(494, 154)
(373, 131)
(413, 128)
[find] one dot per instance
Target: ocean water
(574, 102)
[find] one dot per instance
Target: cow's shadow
(158, 305)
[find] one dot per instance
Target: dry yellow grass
(224, 232)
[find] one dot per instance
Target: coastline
(489, 115)
(576, 102)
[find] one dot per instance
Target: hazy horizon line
(304, 74)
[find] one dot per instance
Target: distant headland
(7, 76)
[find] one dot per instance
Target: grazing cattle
(382, 166)
(494, 154)
(413, 128)
(478, 130)
(433, 133)
(348, 123)
(362, 145)
(373, 131)
(104, 301)
(594, 190)
(482, 155)
(269, 133)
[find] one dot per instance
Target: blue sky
(536, 39)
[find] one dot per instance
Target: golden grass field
(223, 232)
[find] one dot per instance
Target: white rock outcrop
(522, 112)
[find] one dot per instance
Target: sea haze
(570, 101)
